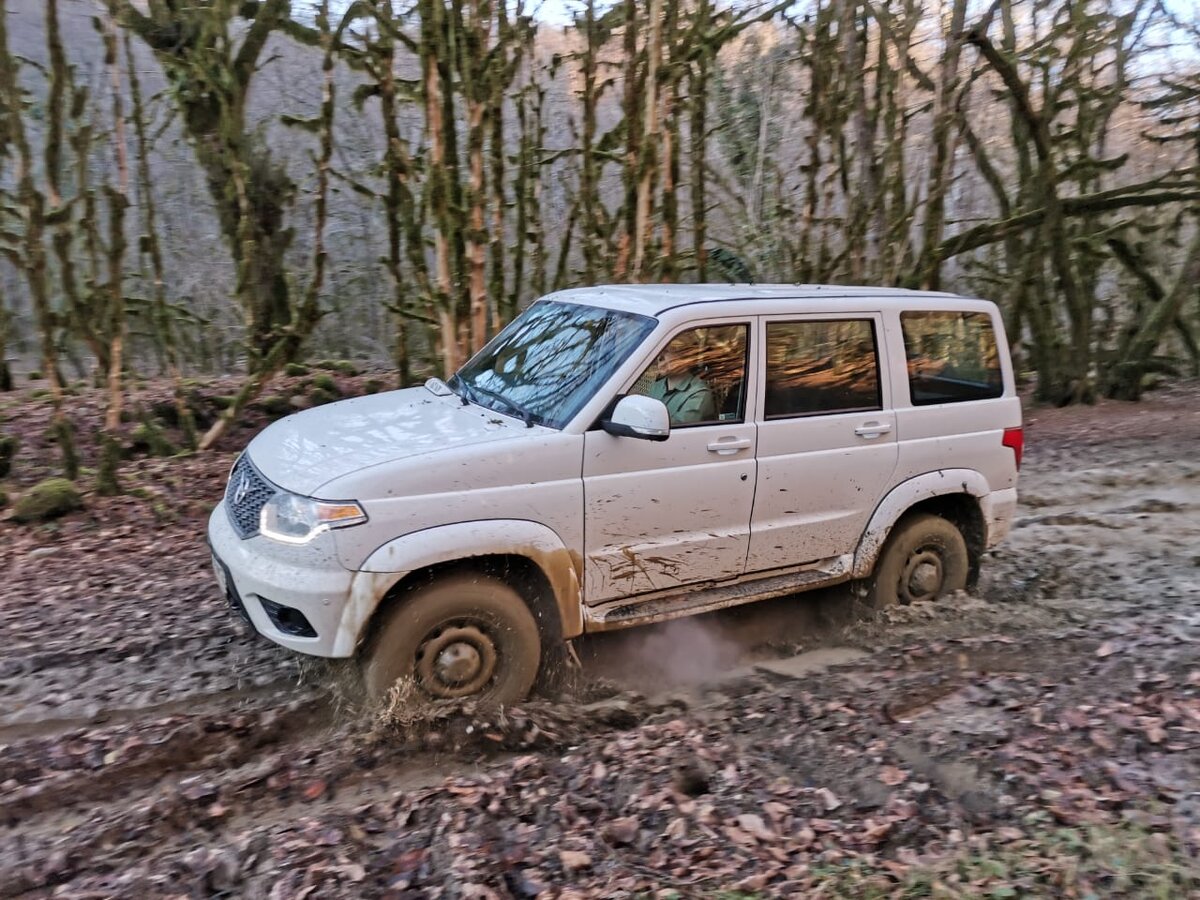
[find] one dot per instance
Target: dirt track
(149, 745)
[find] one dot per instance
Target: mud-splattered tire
(925, 558)
(460, 636)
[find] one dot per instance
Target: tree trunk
(698, 128)
(307, 314)
(118, 199)
(1134, 356)
(32, 209)
(163, 326)
(648, 157)
(432, 39)
(934, 225)
(631, 108)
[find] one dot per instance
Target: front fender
(390, 563)
(902, 498)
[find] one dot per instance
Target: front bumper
(307, 578)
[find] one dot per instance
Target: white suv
(622, 455)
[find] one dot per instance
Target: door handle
(726, 446)
(872, 429)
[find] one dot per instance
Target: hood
(309, 449)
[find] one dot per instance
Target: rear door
(826, 437)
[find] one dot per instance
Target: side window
(821, 366)
(700, 375)
(952, 357)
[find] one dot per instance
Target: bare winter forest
(216, 212)
(214, 187)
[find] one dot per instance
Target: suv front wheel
(925, 558)
(462, 635)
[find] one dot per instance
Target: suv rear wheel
(924, 558)
(464, 635)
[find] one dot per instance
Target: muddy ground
(1041, 736)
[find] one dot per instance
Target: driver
(678, 385)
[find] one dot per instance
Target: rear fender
(389, 564)
(902, 498)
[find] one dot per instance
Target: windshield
(550, 361)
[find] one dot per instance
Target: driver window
(700, 375)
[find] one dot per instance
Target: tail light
(1015, 438)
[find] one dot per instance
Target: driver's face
(672, 362)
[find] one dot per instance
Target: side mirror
(639, 417)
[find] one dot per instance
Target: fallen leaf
(755, 826)
(804, 838)
(621, 831)
(776, 810)
(738, 836)
(574, 860)
(1108, 648)
(828, 799)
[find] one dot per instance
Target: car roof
(655, 299)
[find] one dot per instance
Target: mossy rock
(8, 449)
(166, 412)
(148, 438)
(222, 401)
(47, 500)
(341, 366)
(319, 396)
(35, 376)
(326, 383)
(295, 369)
(274, 405)
(202, 410)
(40, 394)
(372, 386)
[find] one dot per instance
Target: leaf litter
(1041, 735)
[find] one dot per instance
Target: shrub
(326, 383)
(319, 396)
(274, 405)
(341, 366)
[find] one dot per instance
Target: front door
(826, 438)
(664, 514)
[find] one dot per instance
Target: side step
(660, 607)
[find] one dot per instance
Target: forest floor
(1040, 736)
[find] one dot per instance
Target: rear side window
(952, 357)
(825, 366)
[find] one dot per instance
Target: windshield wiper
(461, 383)
(511, 404)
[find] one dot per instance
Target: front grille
(245, 496)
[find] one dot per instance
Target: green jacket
(689, 401)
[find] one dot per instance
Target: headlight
(297, 520)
